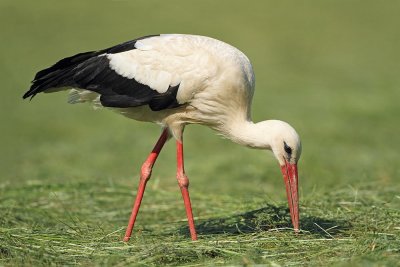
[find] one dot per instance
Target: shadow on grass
(269, 218)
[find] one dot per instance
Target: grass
(68, 175)
(81, 223)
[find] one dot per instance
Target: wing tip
(30, 93)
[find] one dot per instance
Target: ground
(68, 173)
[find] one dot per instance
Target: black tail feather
(57, 75)
(61, 74)
(92, 71)
(65, 63)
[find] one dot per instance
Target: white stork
(175, 80)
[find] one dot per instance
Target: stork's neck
(248, 133)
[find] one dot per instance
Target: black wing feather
(91, 71)
(165, 100)
(81, 57)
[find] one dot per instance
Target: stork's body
(175, 80)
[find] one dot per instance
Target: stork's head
(286, 146)
(284, 142)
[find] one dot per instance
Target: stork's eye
(287, 148)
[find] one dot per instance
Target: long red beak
(290, 176)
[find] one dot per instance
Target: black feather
(121, 101)
(65, 63)
(91, 71)
(165, 100)
(48, 78)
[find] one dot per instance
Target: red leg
(183, 182)
(144, 177)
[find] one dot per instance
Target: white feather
(142, 46)
(74, 97)
(80, 96)
(215, 79)
(202, 66)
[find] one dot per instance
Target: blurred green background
(329, 68)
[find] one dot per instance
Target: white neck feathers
(250, 134)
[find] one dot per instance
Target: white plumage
(175, 80)
(216, 80)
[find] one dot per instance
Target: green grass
(82, 223)
(68, 174)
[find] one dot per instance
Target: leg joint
(145, 171)
(183, 180)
